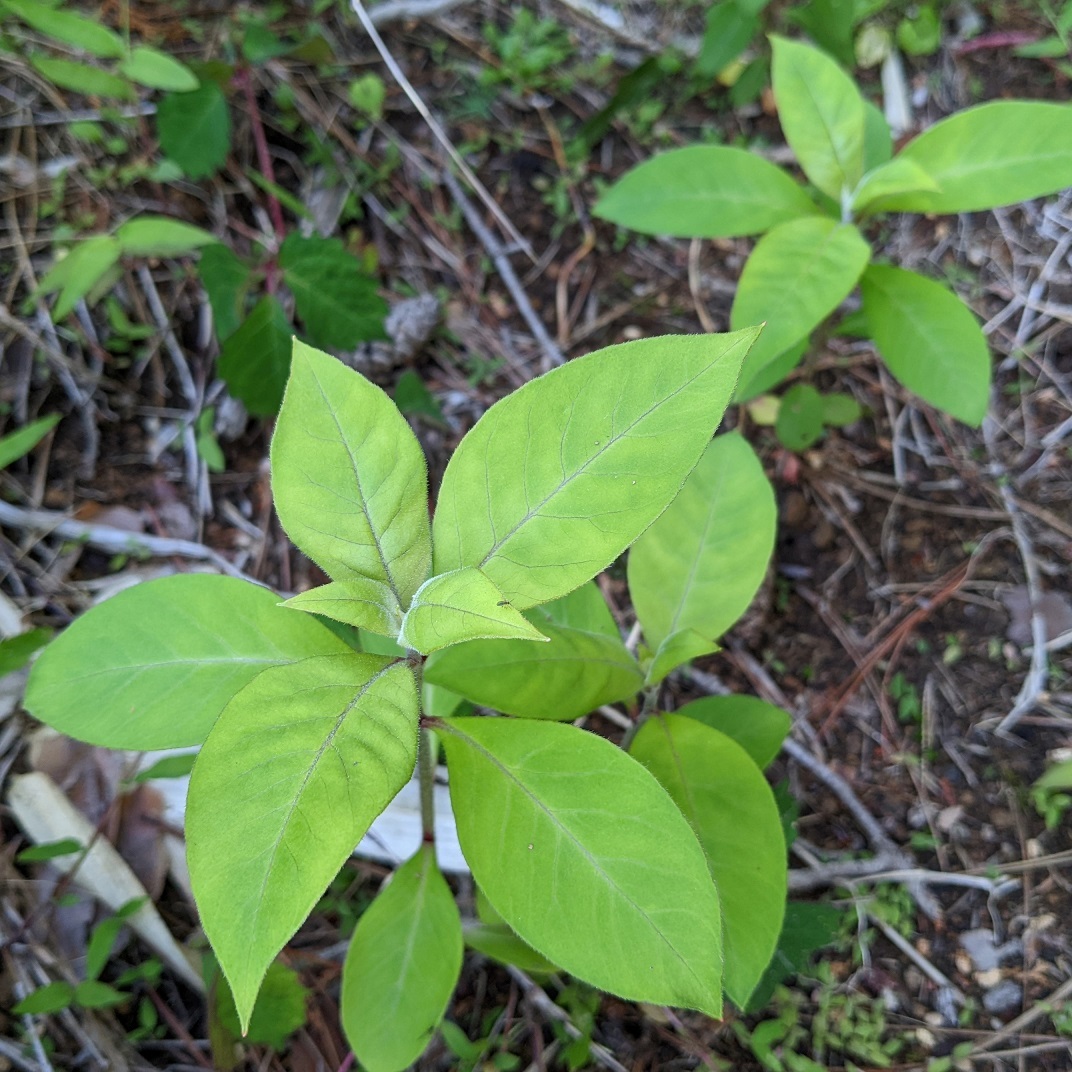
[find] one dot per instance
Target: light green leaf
(700, 565)
(359, 601)
(255, 359)
(878, 139)
(279, 1012)
(195, 129)
(93, 994)
(775, 371)
(822, 116)
(157, 70)
(929, 339)
(840, 409)
(153, 666)
(800, 417)
(19, 443)
(500, 944)
(158, 236)
(335, 298)
(402, 967)
(900, 176)
(585, 609)
(52, 997)
(458, 606)
(225, 278)
(1059, 776)
(300, 763)
(349, 478)
(994, 154)
(586, 857)
(797, 275)
(66, 26)
(705, 191)
(757, 726)
(558, 478)
(79, 272)
(725, 797)
(576, 672)
(675, 650)
(81, 78)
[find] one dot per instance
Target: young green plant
(813, 251)
(657, 873)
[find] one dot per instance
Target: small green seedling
(657, 872)
(813, 251)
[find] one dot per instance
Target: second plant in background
(814, 251)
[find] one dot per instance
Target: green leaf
(728, 31)
(86, 34)
(402, 967)
(558, 478)
(367, 94)
(157, 70)
(822, 116)
(585, 609)
(255, 359)
(994, 154)
(807, 928)
(757, 726)
(49, 851)
(705, 191)
(676, 650)
(725, 797)
(158, 236)
(300, 762)
(335, 298)
(576, 672)
(79, 272)
(500, 944)
(700, 565)
(829, 23)
(413, 398)
(168, 767)
(573, 843)
(153, 666)
(278, 1013)
(360, 601)
(797, 275)
(900, 176)
(195, 129)
(800, 417)
(878, 139)
(225, 278)
(458, 606)
(21, 442)
(775, 372)
(840, 410)
(930, 340)
(52, 997)
(81, 78)
(100, 945)
(93, 994)
(1059, 776)
(349, 478)
(920, 33)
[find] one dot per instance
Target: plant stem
(426, 765)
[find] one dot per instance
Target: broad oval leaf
(800, 417)
(725, 797)
(349, 477)
(797, 275)
(705, 191)
(676, 650)
(157, 70)
(757, 726)
(360, 602)
(79, 272)
(994, 154)
(402, 966)
(558, 478)
(195, 129)
(452, 608)
(929, 339)
(584, 608)
(66, 26)
(335, 298)
(822, 116)
(576, 672)
(899, 176)
(154, 666)
(255, 358)
(292, 775)
(585, 856)
(158, 236)
(700, 565)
